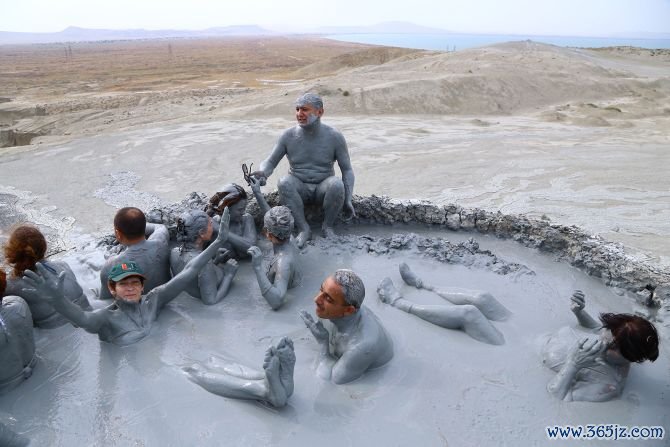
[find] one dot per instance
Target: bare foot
(387, 292)
(303, 237)
(410, 277)
(195, 372)
(327, 232)
(276, 395)
(286, 355)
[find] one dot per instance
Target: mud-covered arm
(170, 290)
(157, 232)
(320, 333)
(348, 178)
(584, 354)
(274, 293)
(352, 364)
(211, 290)
(577, 305)
(50, 286)
(255, 185)
(268, 165)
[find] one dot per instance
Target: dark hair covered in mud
(131, 222)
(24, 248)
(635, 337)
(229, 195)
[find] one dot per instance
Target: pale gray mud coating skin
(242, 227)
(484, 301)
(17, 345)
(212, 284)
(44, 314)
(273, 385)
(124, 322)
(281, 274)
(588, 367)
(465, 316)
(355, 340)
(152, 255)
(312, 148)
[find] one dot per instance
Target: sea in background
(453, 42)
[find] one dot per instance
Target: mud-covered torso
(153, 257)
(129, 322)
(313, 152)
(557, 346)
(178, 260)
(274, 266)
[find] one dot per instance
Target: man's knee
(334, 187)
(288, 185)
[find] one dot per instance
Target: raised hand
(230, 267)
(260, 175)
(43, 283)
(587, 352)
(223, 227)
(315, 327)
(222, 255)
(256, 256)
(577, 301)
(255, 184)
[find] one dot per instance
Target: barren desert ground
(579, 136)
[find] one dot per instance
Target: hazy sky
(563, 17)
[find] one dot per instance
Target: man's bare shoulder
(371, 326)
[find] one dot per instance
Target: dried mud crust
(591, 254)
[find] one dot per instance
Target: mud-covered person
(17, 345)
(312, 148)
(26, 247)
(131, 316)
(144, 243)
(356, 341)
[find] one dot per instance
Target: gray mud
(441, 387)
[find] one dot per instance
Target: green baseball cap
(124, 270)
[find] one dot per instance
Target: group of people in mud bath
(147, 275)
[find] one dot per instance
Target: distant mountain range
(76, 34)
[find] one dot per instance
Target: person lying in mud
(194, 230)
(131, 316)
(281, 274)
(594, 367)
(242, 227)
(26, 247)
(17, 345)
(145, 243)
(471, 312)
(273, 385)
(312, 148)
(355, 340)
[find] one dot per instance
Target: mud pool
(441, 387)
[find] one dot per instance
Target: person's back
(17, 346)
(153, 256)
(146, 245)
(25, 247)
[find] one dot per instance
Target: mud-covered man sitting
(312, 148)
